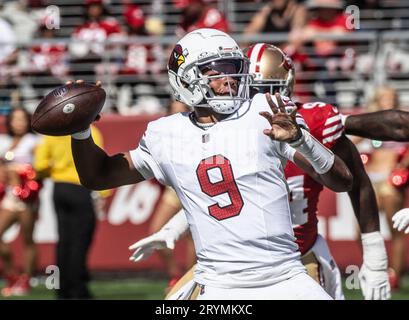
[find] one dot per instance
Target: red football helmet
(272, 70)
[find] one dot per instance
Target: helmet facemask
(233, 71)
(283, 87)
(272, 69)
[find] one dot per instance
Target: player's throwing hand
(284, 126)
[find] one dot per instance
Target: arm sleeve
(286, 151)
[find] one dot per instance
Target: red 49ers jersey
(210, 18)
(143, 59)
(94, 33)
(325, 125)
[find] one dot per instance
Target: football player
(225, 161)
(382, 125)
(274, 72)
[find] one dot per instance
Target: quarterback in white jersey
(235, 196)
(226, 167)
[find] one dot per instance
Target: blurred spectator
(326, 57)
(20, 202)
(9, 95)
(8, 67)
(328, 17)
(75, 211)
(138, 99)
(198, 14)
(47, 58)
(25, 20)
(384, 160)
(278, 16)
(141, 58)
(35, 4)
(365, 4)
(147, 60)
(397, 58)
(3, 179)
(8, 49)
(89, 38)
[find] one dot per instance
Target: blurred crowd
(37, 55)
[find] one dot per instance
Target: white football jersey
(231, 183)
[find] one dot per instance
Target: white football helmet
(202, 50)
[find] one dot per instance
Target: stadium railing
(369, 52)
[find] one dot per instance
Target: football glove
(165, 238)
(373, 275)
(401, 220)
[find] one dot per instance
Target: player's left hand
(401, 220)
(163, 239)
(284, 126)
(374, 283)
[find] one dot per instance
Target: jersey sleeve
(324, 121)
(144, 161)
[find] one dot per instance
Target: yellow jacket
(53, 158)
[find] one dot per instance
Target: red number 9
(226, 185)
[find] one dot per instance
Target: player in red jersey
(273, 71)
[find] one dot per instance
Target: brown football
(68, 109)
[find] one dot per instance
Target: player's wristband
(178, 225)
(320, 157)
(82, 135)
(343, 118)
(374, 252)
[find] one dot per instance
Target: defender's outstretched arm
(380, 125)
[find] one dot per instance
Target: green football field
(149, 289)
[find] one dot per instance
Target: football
(68, 109)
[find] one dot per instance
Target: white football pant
(299, 287)
(329, 274)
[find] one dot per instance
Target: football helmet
(200, 51)
(272, 70)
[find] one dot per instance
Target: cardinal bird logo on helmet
(176, 58)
